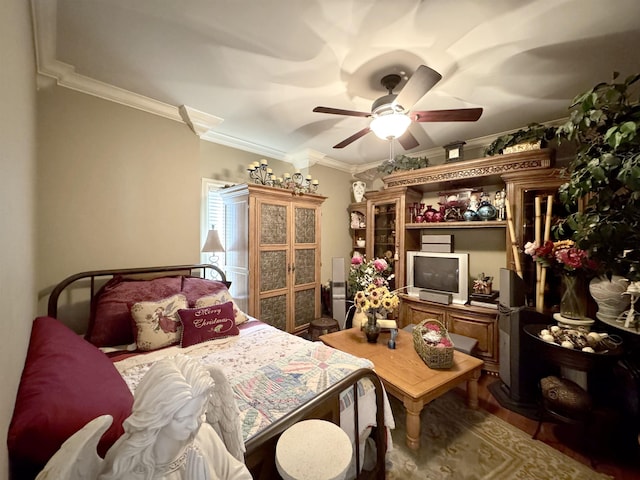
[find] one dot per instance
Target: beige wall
(119, 187)
(17, 199)
(122, 188)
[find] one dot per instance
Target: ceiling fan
(391, 114)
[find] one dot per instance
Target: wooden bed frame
(260, 449)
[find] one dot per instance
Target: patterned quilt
(271, 373)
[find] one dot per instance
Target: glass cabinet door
(384, 234)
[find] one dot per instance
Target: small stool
(313, 450)
(320, 326)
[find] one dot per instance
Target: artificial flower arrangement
(562, 255)
(376, 302)
(362, 274)
(434, 336)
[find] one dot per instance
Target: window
(212, 218)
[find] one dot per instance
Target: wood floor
(620, 462)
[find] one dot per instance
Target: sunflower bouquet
(376, 302)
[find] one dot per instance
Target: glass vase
(371, 328)
(573, 303)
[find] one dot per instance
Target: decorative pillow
(110, 322)
(66, 382)
(194, 288)
(157, 324)
(207, 323)
(223, 297)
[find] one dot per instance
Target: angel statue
(165, 437)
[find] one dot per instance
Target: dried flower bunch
(435, 337)
(362, 273)
(561, 255)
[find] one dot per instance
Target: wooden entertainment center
(389, 232)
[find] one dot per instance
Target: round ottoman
(313, 450)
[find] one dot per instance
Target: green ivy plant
(403, 162)
(603, 190)
(532, 133)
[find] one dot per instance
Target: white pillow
(157, 324)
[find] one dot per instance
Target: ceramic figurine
(359, 188)
(499, 203)
(164, 437)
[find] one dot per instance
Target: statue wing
(223, 414)
(77, 457)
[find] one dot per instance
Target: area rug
(460, 443)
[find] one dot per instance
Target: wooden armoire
(273, 254)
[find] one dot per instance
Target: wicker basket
(434, 357)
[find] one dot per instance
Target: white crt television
(439, 272)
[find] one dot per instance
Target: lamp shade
(391, 125)
(212, 244)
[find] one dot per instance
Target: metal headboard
(202, 269)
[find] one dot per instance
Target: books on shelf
(486, 300)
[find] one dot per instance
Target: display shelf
(474, 224)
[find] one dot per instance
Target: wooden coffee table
(406, 376)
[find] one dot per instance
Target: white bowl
(360, 243)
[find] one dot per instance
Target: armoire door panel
(273, 270)
(305, 306)
(305, 266)
(305, 225)
(273, 310)
(273, 224)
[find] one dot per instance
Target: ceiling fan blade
(353, 138)
(338, 111)
(420, 83)
(455, 115)
(408, 141)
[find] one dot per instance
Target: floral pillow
(157, 324)
(223, 296)
(207, 323)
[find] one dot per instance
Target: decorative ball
(548, 338)
(595, 336)
(566, 344)
(544, 331)
(588, 350)
(555, 329)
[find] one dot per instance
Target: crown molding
(199, 122)
(45, 39)
(229, 141)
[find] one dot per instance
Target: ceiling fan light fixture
(391, 125)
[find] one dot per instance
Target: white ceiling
(255, 69)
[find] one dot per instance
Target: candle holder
(261, 174)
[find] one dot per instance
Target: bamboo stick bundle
(512, 234)
(538, 230)
(547, 236)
